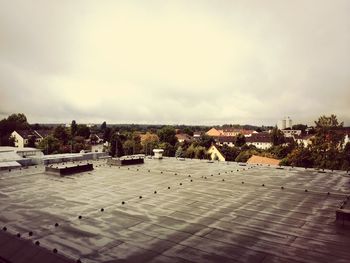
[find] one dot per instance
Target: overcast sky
(175, 62)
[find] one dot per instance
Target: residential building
(214, 132)
(22, 136)
(229, 132)
(305, 140)
(260, 140)
(291, 133)
(182, 137)
(197, 134)
(215, 154)
(225, 140)
(263, 160)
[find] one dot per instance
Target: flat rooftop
(174, 211)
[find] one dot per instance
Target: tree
(61, 134)
(129, 147)
(327, 143)
(179, 152)
(200, 152)
(206, 141)
(191, 151)
(277, 136)
(49, 145)
(239, 140)
(93, 139)
(11, 123)
(301, 127)
(188, 130)
(230, 153)
(103, 126)
(73, 128)
(169, 150)
(346, 157)
(31, 141)
(107, 134)
(116, 146)
(300, 157)
(149, 142)
(83, 130)
(167, 135)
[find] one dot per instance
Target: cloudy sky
(175, 62)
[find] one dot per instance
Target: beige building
(215, 154)
(214, 132)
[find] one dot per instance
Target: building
(215, 154)
(306, 140)
(22, 137)
(225, 140)
(263, 160)
(285, 123)
(197, 135)
(182, 137)
(222, 212)
(260, 140)
(229, 132)
(291, 133)
(213, 132)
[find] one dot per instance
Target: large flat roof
(178, 211)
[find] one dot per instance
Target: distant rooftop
(174, 211)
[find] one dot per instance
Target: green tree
(167, 135)
(129, 147)
(346, 157)
(169, 150)
(327, 143)
(191, 151)
(239, 140)
(49, 145)
(103, 126)
(300, 157)
(179, 152)
(107, 134)
(188, 130)
(149, 142)
(73, 128)
(11, 123)
(277, 136)
(61, 134)
(31, 141)
(301, 127)
(116, 146)
(200, 152)
(83, 130)
(230, 153)
(206, 141)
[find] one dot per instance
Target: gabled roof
(263, 160)
(43, 133)
(183, 136)
(26, 134)
(259, 137)
(223, 139)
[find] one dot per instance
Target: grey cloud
(253, 62)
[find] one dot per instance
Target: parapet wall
(68, 170)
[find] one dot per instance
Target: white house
(225, 140)
(291, 133)
(259, 140)
(305, 140)
(22, 137)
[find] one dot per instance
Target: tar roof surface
(200, 212)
